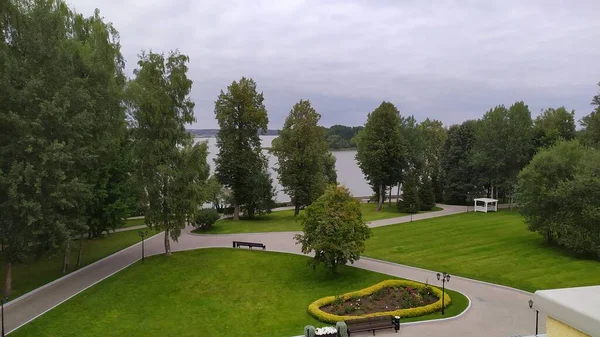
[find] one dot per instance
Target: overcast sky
(447, 60)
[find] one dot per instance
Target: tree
(591, 124)
(242, 116)
(261, 195)
(410, 202)
(171, 170)
(215, 193)
(553, 125)
(58, 71)
(330, 171)
(381, 153)
(426, 194)
(458, 173)
(333, 228)
(301, 152)
(503, 146)
(558, 193)
(433, 136)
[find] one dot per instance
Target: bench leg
(373, 332)
(264, 247)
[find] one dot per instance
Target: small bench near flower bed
(372, 324)
(237, 244)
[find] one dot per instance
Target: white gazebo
(486, 205)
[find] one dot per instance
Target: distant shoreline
(332, 150)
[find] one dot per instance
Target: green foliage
(381, 153)
(426, 195)
(261, 196)
(205, 218)
(330, 171)
(458, 173)
(333, 229)
(591, 124)
(301, 152)
(410, 202)
(341, 136)
(171, 170)
(216, 193)
(552, 126)
(503, 145)
(240, 164)
(559, 193)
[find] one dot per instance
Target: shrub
(205, 218)
(315, 307)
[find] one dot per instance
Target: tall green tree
(458, 173)
(433, 136)
(301, 152)
(333, 228)
(381, 153)
(426, 194)
(58, 71)
(410, 202)
(503, 146)
(242, 117)
(170, 169)
(330, 171)
(591, 124)
(552, 126)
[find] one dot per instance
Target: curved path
(495, 310)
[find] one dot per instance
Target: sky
(438, 59)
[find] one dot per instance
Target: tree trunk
(167, 243)
(236, 211)
(380, 201)
(510, 202)
(67, 256)
(492, 190)
(296, 209)
(390, 201)
(398, 194)
(80, 250)
(8, 280)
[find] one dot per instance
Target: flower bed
(392, 297)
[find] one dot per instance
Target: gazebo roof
(486, 200)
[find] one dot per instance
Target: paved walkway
(495, 310)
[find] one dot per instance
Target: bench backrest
(370, 321)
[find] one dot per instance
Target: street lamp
(143, 234)
(4, 299)
(445, 278)
(537, 313)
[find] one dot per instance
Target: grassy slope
(33, 274)
(494, 247)
(282, 221)
(207, 292)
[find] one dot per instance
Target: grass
(33, 274)
(493, 247)
(284, 221)
(133, 222)
(206, 292)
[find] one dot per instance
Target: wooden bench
(237, 244)
(372, 324)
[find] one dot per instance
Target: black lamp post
(445, 278)
(4, 299)
(143, 234)
(537, 313)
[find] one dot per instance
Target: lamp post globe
(530, 304)
(438, 276)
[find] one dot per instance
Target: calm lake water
(349, 174)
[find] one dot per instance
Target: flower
(325, 331)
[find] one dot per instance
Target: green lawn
(207, 292)
(33, 274)
(284, 221)
(133, 222)
(493, 247)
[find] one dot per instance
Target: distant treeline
(341, 136)
(337, 136)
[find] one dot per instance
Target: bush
(316, 312)
(205, 218)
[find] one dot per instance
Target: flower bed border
(316, 312)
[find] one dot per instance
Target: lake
(348, 172)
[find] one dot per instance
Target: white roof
(486, 200)
(576, 307)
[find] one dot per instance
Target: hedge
(316, 312)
